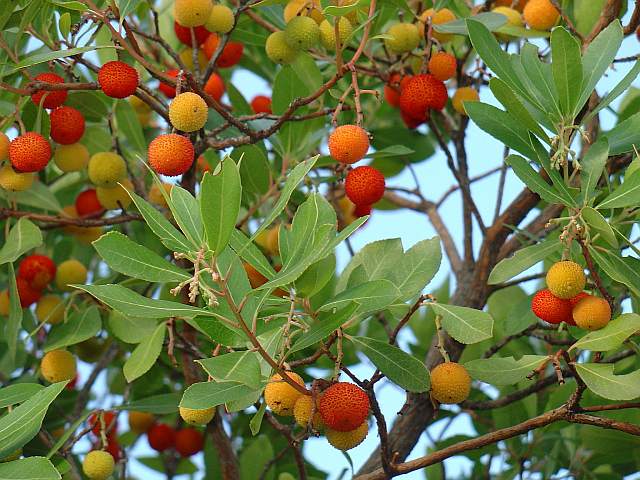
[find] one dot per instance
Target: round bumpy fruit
(54, 98)
(186, 56)
(29, 152)
(421, 93)
(71, 158)
(37, 270)
(167, 89)
(161, 437)
(566, 279)
(171, 154)
(592, 313)
(195, 416)
(302, 413)
(261, 104)
(364, 185)
(13, 181)
(70, 272)
(140, 422)
(188, 441)
(98, 465)
(114, 198)
(540, 14)
(106, 169)
(214, 86)
(348, 144)
(302, 33)
(50, 309)
(403, 37)
(328, 33)
(462, 95)
(280, 397)
(87, 203)
(28, 294)
(4, 146)
(230, 55)
(308, 8)
(347, 440)
(546, 306)
(192, 13)
(444, 15)
(220, 19)
(67, 125)
(442, 65)
(450, 383)
(117, 79)
(58, 366)
(108, 422)
(188, 112)
(278, 50)
(184, 34)
(394, 87)
(344, 406)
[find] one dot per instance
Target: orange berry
(348, 144)
(463, 95)
(37, 270)
(261, 104)
(184, 34)
(442, 66)
(592, 313)
(450, 383)
(394, 87)
(87, 203)
(540, 14)
(546, 306)
(214, 86)
(117, 79)
(231, 53)
(188, 441)
(444, 15)
(67, 125)
(29, 152)
(422, 93)
(517, 4)
(411, 122)
(54, 98)
(170, 154)
(364, 185)
(344, 406)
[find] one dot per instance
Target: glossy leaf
(522, 260)
(211, 394)
(242, 367)
(18, 393)
(601, 380)
(30, 468)
(503, 371)
(466, 325)
(612, 335)
(567, 69)
(144, 355)
(23, 236)
(81, 325)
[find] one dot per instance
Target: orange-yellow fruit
(450, 383)
(4, 303)
(58, 366)
(214, 86)
(347, 210)
(29, 152)
(142, 109)
(344, 406)
(261, 104)
(220, 19)
(13, 181)
(106, 169)
(50, 309)
(347, 440)
(70, 272)
(309, 8)
(231, 52)
(442, 66)
(348, 144)
(141, 422)
(281, 397)
(421, 93)
(155, 194)
(364, 185)
(71, 158)
(118, 80)
(98, 465)
(514, 19)
(113, 198)
(517, 4)
(402, 38)
(192, 13)
(186, 56)
(4, 146)
(302, 413)
(566, 279)
(592, 313)
(268, 240)
(188, 112)
(171, 154)
(444, 15)
(462, 95)
(540, 14)
(195, 416)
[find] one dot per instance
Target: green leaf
(617, 268)
(369, 296)
(242, 367)
(130, 329)
(522, 260)
(30, 468)
(538, 79)
(618, 90)
(126, 256)
(325, 325)
(15, 317)
(38, 195)
(249, 252)
(466, 325)
(612, 335)
(18, 393)
(82, 325)
(128, 302)
(220, 204)
(158, 404)
(64, 24)
(128, 128)
(211, 394)
(186, 213)
(256, 421)
(255, 456)
(503, 371)
(537, 184)
(599, 224)
(626, 195)
(418, 266)
(403, 369)
(316, 277)
(567, 69)
(602, 381)
(592, 167)
(491, 21)
(23, 236)
(92, 106)
(254, 168)
(48, 56)
(23, 422)
(145, 355)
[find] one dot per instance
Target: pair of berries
(35, 272)
(186, 441)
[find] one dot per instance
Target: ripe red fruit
(394, 87)
(67, 125)
(72, 383)
(28, 295)
(412, 123)
(87, 203)
(29, 152)
(546, 306)
(231, 53)
(37, 270)
(54, 98)
(117, 79)
(167, 89)
(362, 210)
(161, 437)
(184, 34)
(364, 186)
(421, 93)
(344, 406)
(214, 86)
(170, 154)
(261, 104)
(110, 425)
(188, 441)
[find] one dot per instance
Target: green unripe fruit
(404, 37)
(278, 50)
(328, 33)
(220, 19)
(302, 33)
(106, 169)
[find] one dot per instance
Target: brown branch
(634, 21)
(228, 460)
(62, 221)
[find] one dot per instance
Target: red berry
(364, 185)
(30, 152)
(261, 104)
(546, 306)
(231, 53)
(184, 34)
(214, 86)
(344, 406)
(394, 87)
(421, 93)
(189, 441)
(170, 154)
(72, 383)
(110, 423)
(37, 270)
(167, 89)
(67, 125)
(362, 210)
(87, 203)
(161, 437)
(28, 295)
(54, 98)
(118, 80)
(412, 123)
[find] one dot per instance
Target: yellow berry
(566, 279)
(328, 32)
(4, 146)
(268, 240)
(4, 303)
(444, 15)
(155, 195)
(13, 181)
(462, 95)
(347, 440)
(115, 197)
(197, 416)
(281, 397)
(106, 169)
(50, 309)
(188, 112)
(404, 37)
(192, 13)
(186, 56)
(302, 7)
(98, 465)
(540, 14)
(71, 158)
(450, 383)
(220, 19)
(58, 366)
(302, 412)
(141, 422)
(514, 19)
(70, 272)
(592, 313)
(302, 33)
(278, 50)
